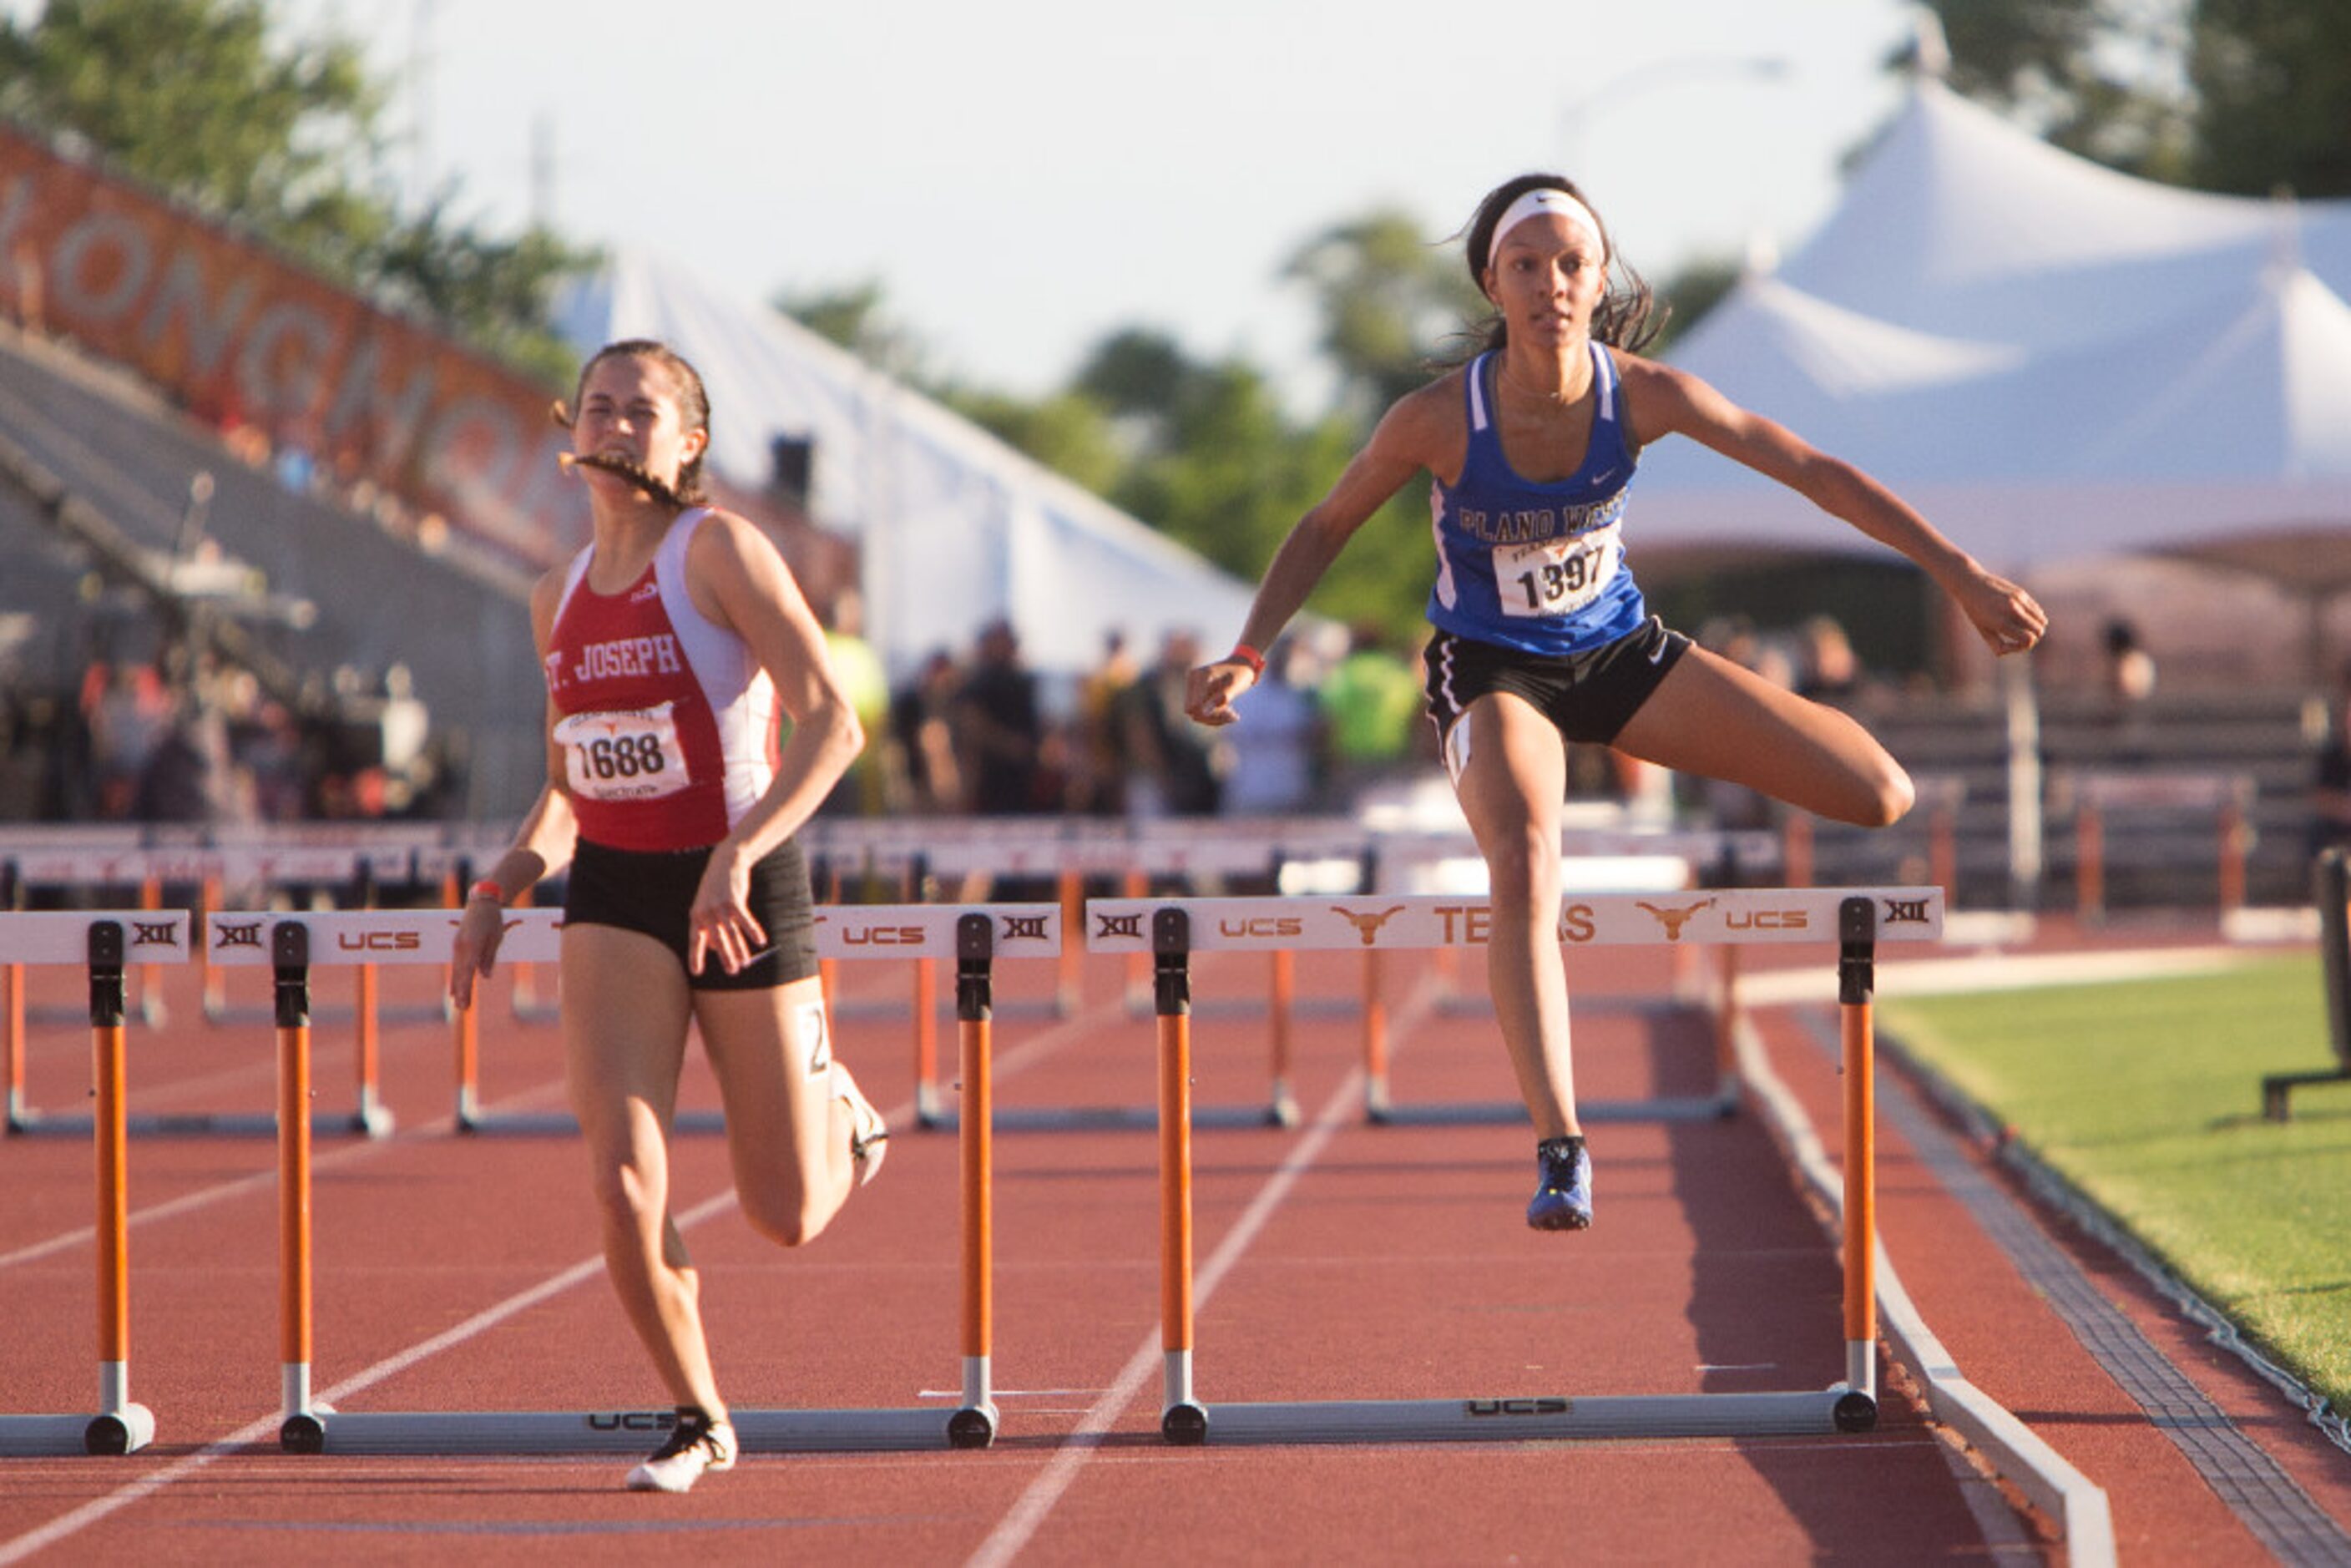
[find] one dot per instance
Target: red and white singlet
(668, 724)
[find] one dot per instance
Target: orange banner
(240, 336)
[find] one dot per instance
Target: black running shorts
(653, 893)
(1589, 695)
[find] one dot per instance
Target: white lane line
(1022, 1519)
(204, 1197)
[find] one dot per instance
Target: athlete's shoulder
(1429, 420)
(547, 598)
(1657, 396)
(720, 536)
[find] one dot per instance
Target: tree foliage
(1388, 300)
(2273, 82)
(203, 98)
(2245, 97)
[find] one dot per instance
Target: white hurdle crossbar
(106, 943)
(1171, 931)
(974, 936)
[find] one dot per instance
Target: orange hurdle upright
(99, 942)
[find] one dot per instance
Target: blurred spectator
(1280, 739)
(128, 711)
(867, 686)
(999, 730)
(186, 777)
(2129, 667)
(1373, 702)
(1827, 669)
(1098, 783)
(919, 747)
(1178, 767)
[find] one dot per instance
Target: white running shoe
(869, 1136)
(695, 1444)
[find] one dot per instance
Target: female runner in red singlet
(669, 645)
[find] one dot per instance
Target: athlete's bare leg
(787, 1132)
(625, 1008)
(1712, 717)
(1510, 790)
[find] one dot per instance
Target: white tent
(957, 528)
(2050, 358)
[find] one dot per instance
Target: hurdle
(207, 867)
(1856, 918)
(1258, 924)
(105, 944)
(974, 936)
(2228, 797)
(1134, 856)
(2330, 891)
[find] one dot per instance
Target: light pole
(1651, 74)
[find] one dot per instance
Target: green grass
(2147, 1096)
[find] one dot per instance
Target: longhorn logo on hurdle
(1673, 920)
(1367, 927)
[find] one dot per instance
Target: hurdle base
(1116, 1118)
(1466, 1004)
(563, 1123)
(2277, 1087)
(373, 1121)
(1513, 1420)
(1183, 1425)
(973, 1427)
(1511, 1113)
(626, 1432)
(125, 1430)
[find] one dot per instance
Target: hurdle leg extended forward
(118, 1427)
(307, 1427)
(1850, 1405)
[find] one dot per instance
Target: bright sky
(1024, 176)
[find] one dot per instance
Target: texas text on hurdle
(291, 944)
(106, 943)
(1855, 918)
(1449, 924)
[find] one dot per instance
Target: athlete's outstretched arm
(1412, 436)
(1661, 400)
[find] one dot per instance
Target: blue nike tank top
(1539, 567)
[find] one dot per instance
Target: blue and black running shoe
(1563, 1200)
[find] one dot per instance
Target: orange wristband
(1249, 656)
(487, 889)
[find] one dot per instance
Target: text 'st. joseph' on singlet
(668, 724)
(1540, 568)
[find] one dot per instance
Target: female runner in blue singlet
(1541, 637)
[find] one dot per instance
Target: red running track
(1336, 1261)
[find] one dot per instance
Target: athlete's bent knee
(786, 1222)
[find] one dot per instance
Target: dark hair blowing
(1629, 315)
(693, 401)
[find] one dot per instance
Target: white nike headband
(1533, 203)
